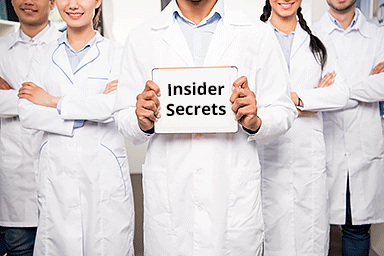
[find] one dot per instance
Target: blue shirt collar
(279, 32)
(351, 26)
(216, 13)
(63, 39)
(37, 38)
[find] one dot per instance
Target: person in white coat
(84, 188)
(202, 191)
(354, 139)
(18, 146)
(293, 166)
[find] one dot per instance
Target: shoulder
(148, 26)
(109, 50)
(44, 52)
(7, 38)
(6, 41)
(52, 34)
(109, 44)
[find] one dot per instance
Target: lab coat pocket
(155, 189)
(366, 64)
(244, 242)
(96, 84)
(245, 222)
(245, 61)
(158, 237)
(371, 138)
(328, 129)
(244, 197)
(41, 170)
(116, 166)
(11, 145)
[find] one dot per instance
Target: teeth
(75, 15)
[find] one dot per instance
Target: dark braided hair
(317, 47)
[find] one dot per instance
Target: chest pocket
(367, 64)
(96, 84)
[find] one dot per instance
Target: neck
(345, 18)
(285, 25)
(32, 30)
(196, 11)
(79, 37)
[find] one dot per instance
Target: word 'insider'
(194, 90)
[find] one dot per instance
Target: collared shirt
(73, 56)
(74, 60)
(285, 42)
(37, 38)
(199, 37)
(337, 23)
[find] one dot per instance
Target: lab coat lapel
(298, 40)
(222, 39)
(174, 37)
(91, 55)
(60, 59)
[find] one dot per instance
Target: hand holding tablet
(195, 100)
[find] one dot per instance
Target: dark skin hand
(148, 106)
(244, 105)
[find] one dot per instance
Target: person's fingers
(152, 86)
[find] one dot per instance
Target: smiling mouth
(286, 5)
(75, 15)
(28, 10)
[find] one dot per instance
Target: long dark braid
(317, 47)
(267, 10)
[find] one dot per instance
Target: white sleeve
(275, 107)
(371, 88)
(37, 117)
(8, 103)
(334, 97)
(8, 98)
(131, 83)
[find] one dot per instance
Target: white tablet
(195, 100)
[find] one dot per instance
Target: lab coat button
(199, 170)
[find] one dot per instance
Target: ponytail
(317, 47)
(266, 11)
(96, 18)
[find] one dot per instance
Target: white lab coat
(84, 188)
(18, 146)
(202, 191)
(353, 137)
(293, 167)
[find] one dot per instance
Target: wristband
(299, 102)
